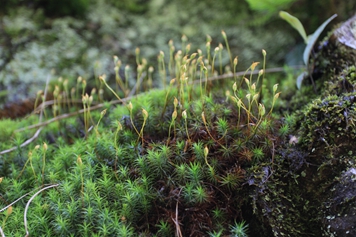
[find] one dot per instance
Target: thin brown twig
(15, 201)
(68, 115)
(38, 130)
(60, 117)
(176, 221)
(23, 144)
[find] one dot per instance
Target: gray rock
(340, 208)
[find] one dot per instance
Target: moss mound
(197, 158)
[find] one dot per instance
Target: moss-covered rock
(339, 207)
(309, 189)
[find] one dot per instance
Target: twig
(14, 202)
(23, 144)
(38, 130)
(63, 116)
(28, 204)
(60, 117)
(176, 222)
(11, 204)
(2, 233)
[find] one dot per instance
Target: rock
(340, 209)
(310, 188)
(346, 33)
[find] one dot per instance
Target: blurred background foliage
(71, 38)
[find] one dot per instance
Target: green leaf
(268, 5)
(312, 38)
(300, 79)
(293, 21)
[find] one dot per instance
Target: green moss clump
(177, 155)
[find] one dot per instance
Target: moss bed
(201, 157)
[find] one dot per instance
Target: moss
(190, 155)
(130, 172)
